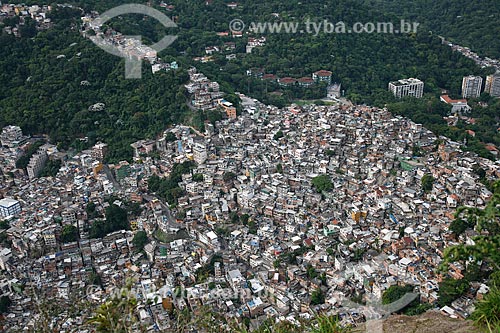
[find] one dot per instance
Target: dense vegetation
(23, 161)
(394, 293)
(322, 183)
(487, 313)
(427, 182)
(69, 233)
(54, 102)
(482, 258)
(42, 92)
(363, 63)
(168, 188)
(451, 289)
(116, 219)
(469, 23)
(140, 240)
(4, 304)
(51, 168)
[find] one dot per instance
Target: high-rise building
(37, 162)
(9, 207)
(492, 85)
(199, 153)
(471, 86)
(407, 87)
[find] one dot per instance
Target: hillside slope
(469, 23)
(429, 322)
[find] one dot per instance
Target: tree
(393, 293)
(278, 135)
(235, 219)
(170, 137)
(4, 224)
(5, 302)
(168, 188)
(485, 252)
(118, 313)
(228, 176)
(396, 292)
(51, 168)
(69, 233)
(91, 210)
(427, 183)
(322, 183)
(252, 227)
(484, 221)
(116, 219)
(98, 229)
(451, 289)
(133, 208)
(317, 297)
(140, 239)
(244, 219)
(458, 226)
(311, 272)
(328, 324)
(198, 177)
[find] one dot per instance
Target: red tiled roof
(448, 100)
(323, 73)
(491, 147)
(287, 80)
(305, 80)
(269, 77)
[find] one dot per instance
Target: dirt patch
(429, 322)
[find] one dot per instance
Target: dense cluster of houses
(249, 235)
(126, 46)
(483, 62)
(38, 13)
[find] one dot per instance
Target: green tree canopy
(69, 233)
(322, 183)
(427, 182)
(140, 239)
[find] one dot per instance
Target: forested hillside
(470, 23)
(42, 91)
(50, 81)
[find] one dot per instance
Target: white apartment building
(471, 86)
(199, 153)
(407, 87)
(9, 207)
(492, 86)
(37, 162)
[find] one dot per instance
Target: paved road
(111, 178)
(166, 210)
